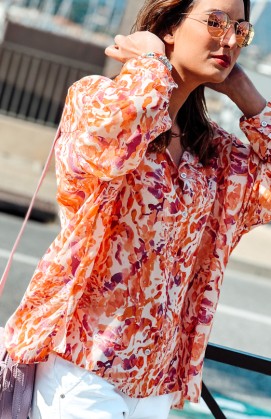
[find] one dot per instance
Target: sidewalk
(253, 253)
(23, 150)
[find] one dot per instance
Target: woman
(153, 198)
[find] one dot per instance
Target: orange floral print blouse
(130, 286)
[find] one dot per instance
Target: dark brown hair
(160, 17)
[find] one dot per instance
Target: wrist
(251, 104)
(161, 57)
(248, 99)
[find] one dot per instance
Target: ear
(169, 38)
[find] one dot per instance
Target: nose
(228, 40)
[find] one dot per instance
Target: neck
(180, 94)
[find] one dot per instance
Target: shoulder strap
(9, 262)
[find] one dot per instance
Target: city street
(242, 322)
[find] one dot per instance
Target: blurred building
(47, 45)
(69, 17)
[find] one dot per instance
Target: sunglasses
(218, 24)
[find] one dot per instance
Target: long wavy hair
(161, 17)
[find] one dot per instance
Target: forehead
(234, 8)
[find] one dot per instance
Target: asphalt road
(243, 319)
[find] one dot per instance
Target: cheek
(192, 37)
(192, 46)
(236, 54)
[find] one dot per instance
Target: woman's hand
(134, 45)
(240, 89)
(230, 83)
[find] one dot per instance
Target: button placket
(184, 214)
(183, 176)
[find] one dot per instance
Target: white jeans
(65, 391)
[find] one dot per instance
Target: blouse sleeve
(256, 208)
(111, 122)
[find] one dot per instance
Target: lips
(224, 60)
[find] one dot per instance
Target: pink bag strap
(9, 262)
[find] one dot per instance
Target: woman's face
(198, 57)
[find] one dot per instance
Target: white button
(171, 258)
(183, 175)
(96, 336)
(264, 124)
(147, 352)
(184, 214)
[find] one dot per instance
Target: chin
(219, 77)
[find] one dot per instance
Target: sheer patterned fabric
(130, 286)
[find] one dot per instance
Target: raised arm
(111, 122)
(253, 161)
(240, 89)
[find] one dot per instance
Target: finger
(118, 39)
(112, 48)
(113, 52)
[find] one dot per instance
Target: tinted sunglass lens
(244, 34)
(217, 23)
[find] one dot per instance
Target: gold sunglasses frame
(229, 23)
